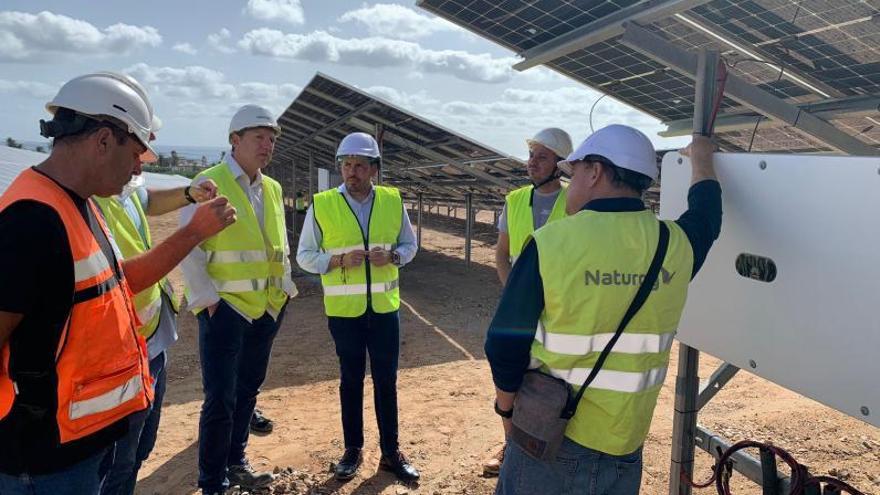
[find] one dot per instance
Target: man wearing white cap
(529, 208)
(357, 237)
(238, 284)
(571, 287)
(73, 369)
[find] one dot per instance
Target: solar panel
(799, 51)
(419, 156)
(14, 161)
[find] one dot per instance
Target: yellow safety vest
(348, 292)
(246, 262)
(148, 302)
(586, 293)
(521, 222)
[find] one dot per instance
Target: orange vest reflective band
(101, 361)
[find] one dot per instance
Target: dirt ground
(447, 425)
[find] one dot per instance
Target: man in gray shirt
(529, 208)
(526, 210)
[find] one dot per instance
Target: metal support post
(311, 171)
(419, 223)
(378, 134)
(687, 384)
(684, 420)
(769, 476)
(468, 229)
(707, 70)
(294, 193)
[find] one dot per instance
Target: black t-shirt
(36, 280)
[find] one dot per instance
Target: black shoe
(348, 465)
(400, 466)
(246, 477)
(261, 424)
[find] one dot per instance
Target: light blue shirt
(313, 259)
(166, 332)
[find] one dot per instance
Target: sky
(202, 59)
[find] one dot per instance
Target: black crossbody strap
(635, 305)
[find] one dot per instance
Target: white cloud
(199, 90)
(33, 89)
(398, 21)
(289, 11)
(506, 121)
(219, 40)
(185, 48)
(320, 46)
(26, 37)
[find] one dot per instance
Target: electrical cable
(800, 477)
(593, 108)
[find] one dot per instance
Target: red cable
(800, 478)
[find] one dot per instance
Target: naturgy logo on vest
(598, 277)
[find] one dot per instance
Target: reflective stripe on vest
(101, 363)
(347, 292)
(108, 400)
(132, 243)
(521, 221)
(244, 261)
(91, 267)
(586, 294)
(628, 343)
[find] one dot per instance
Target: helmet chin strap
(535, 185)
(553, 176)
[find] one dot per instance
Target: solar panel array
(800, 51)
(418, 156)
(13, 161)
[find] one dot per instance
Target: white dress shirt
(201, 292)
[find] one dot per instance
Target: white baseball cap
(624, 146)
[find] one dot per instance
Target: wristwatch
(187, 195)
(395, 257)
(501, 412)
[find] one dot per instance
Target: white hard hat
(111, 94)
(156, 123)
(622, 145)
(554, 139)
(250, 116)
(358, 144)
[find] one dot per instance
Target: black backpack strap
(636, 304)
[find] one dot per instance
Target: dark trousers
(235, 356)
(378, 334)
(135, 447)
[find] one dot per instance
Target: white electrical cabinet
(791, 289)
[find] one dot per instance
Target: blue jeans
(83, 478)
(134, 448)
(378, 334)
(577, 470)
(235, 357)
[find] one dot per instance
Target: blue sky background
(202, 59)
